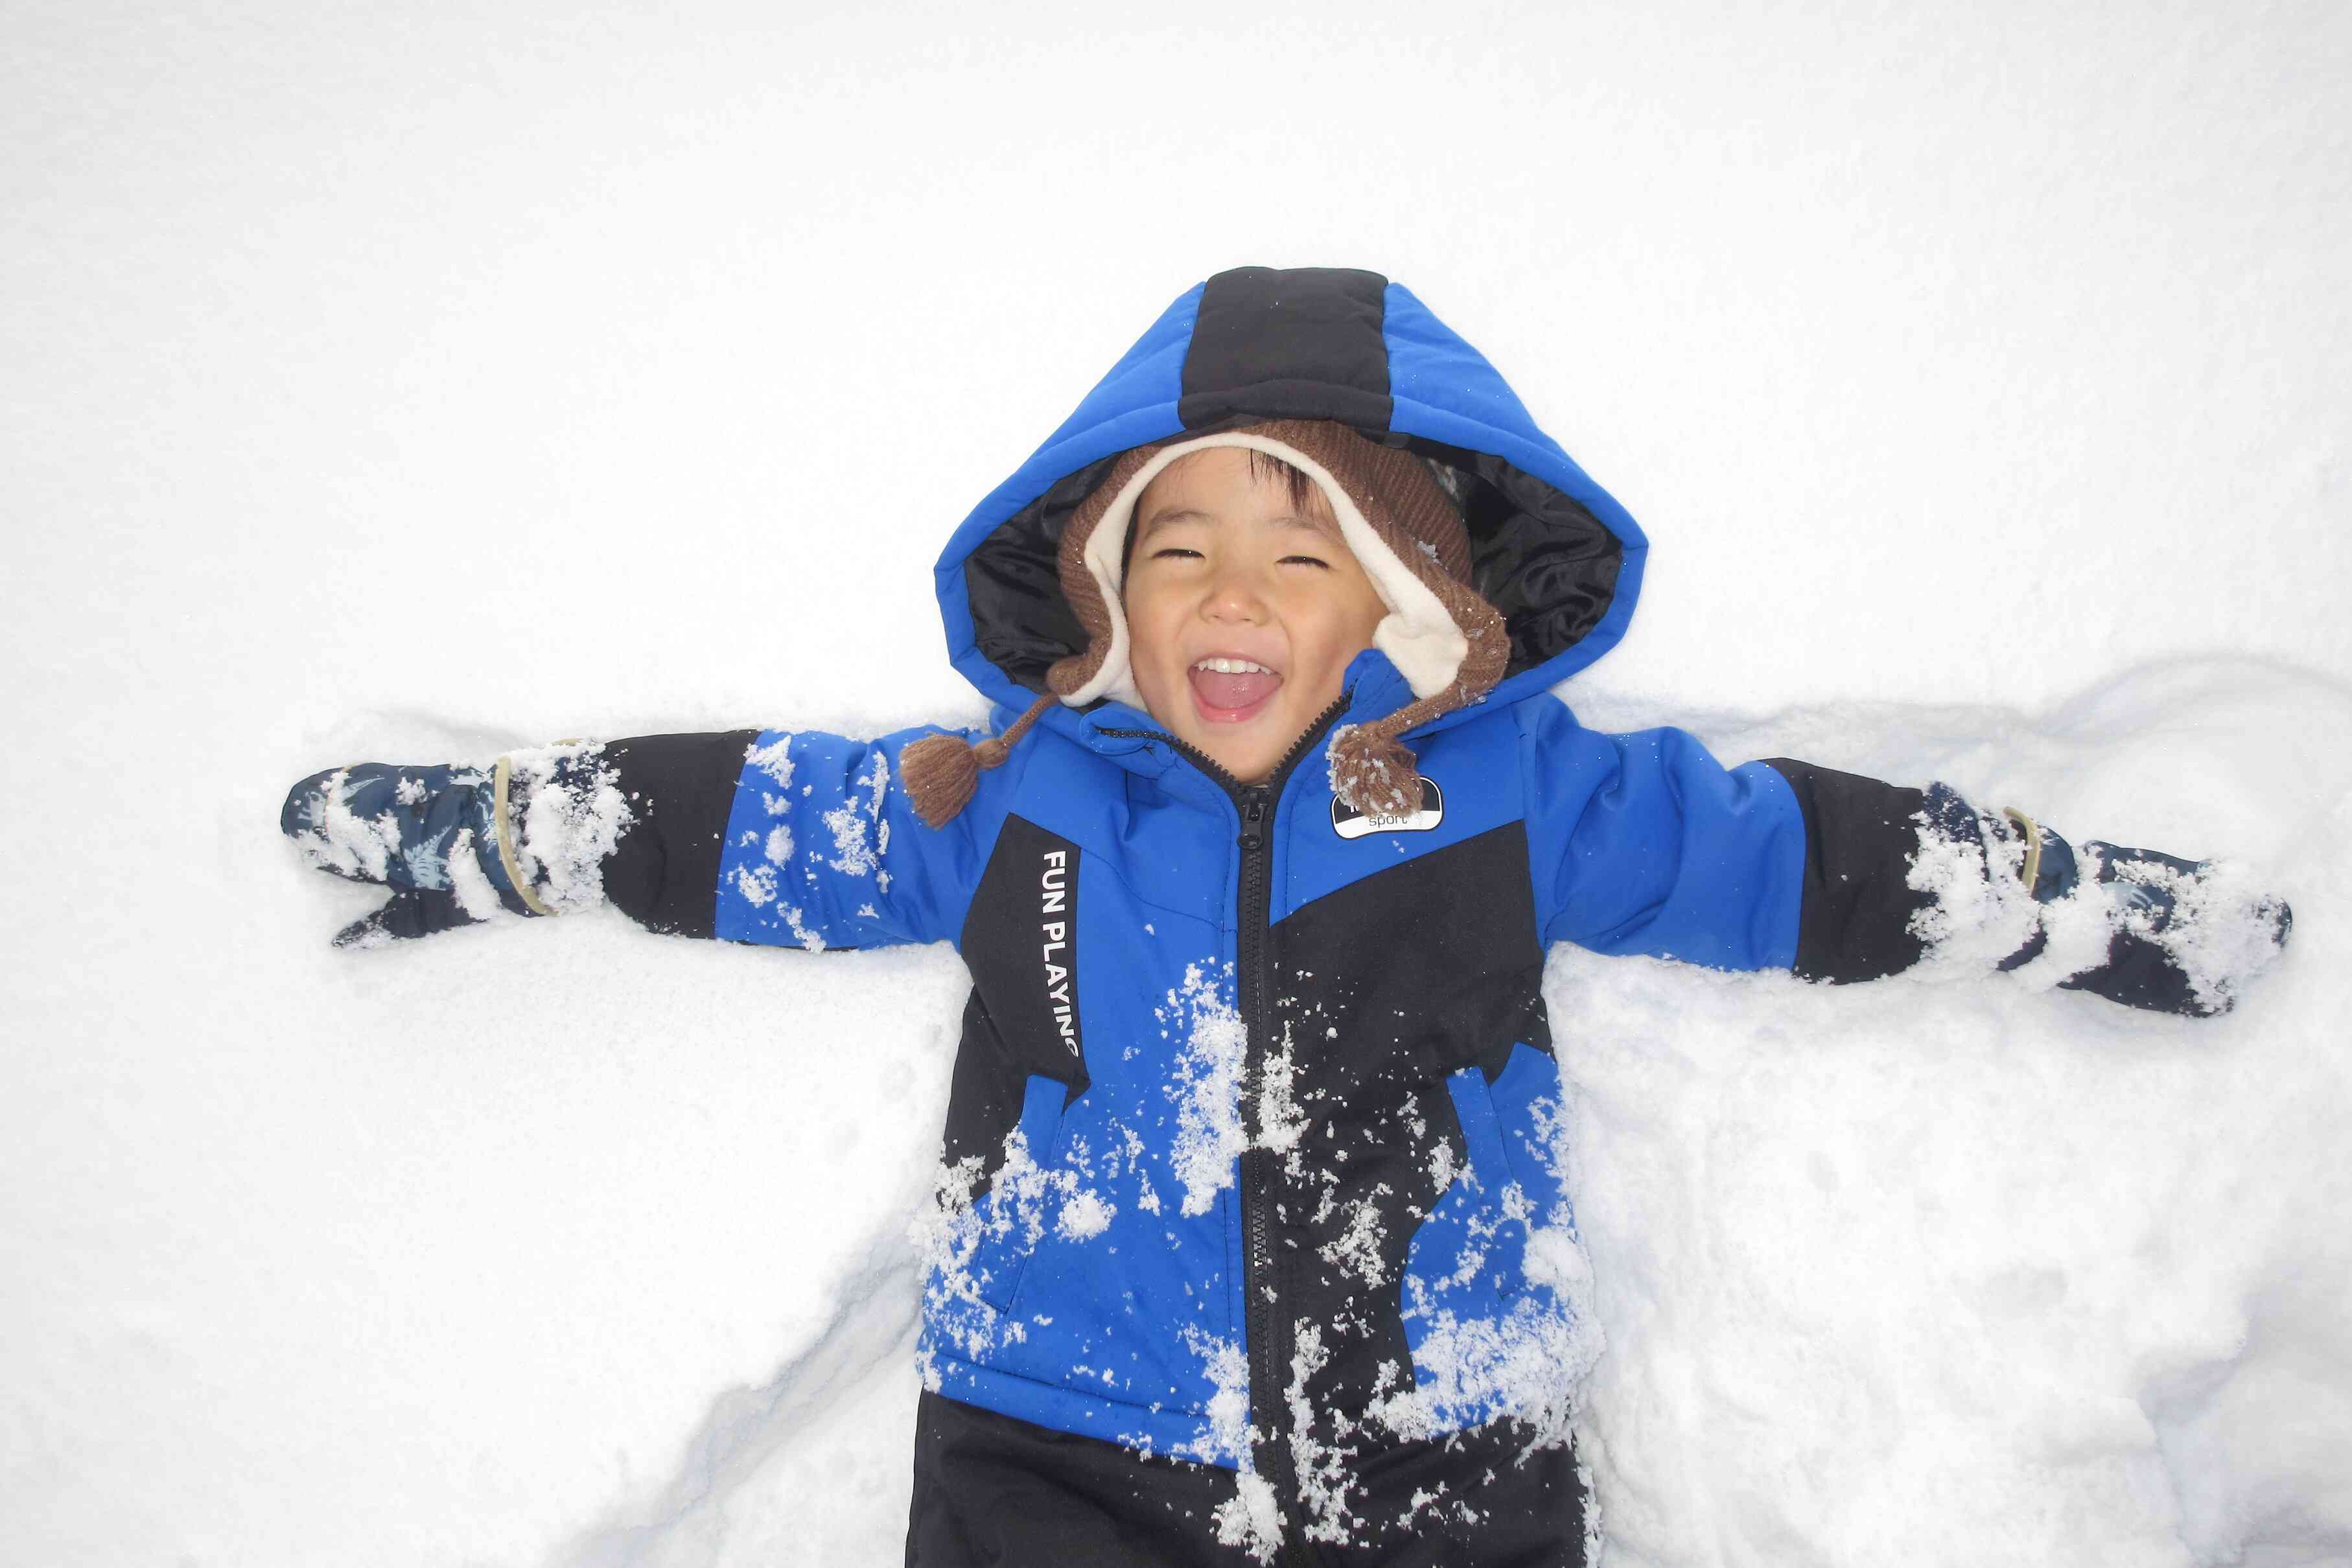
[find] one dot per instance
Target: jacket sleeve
(787, 838)
(1645, 844)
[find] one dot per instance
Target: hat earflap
(1372, 771)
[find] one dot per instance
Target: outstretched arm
(1643, 843)
(799, 840)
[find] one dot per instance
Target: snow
(855, 853)
(342, 840)
(2217, 931)
(2215, 921)
(1325, 1481)
(1979, 910)
(975, 1203)
(1251, 1518)
(1357, 1250)
(424, 388)
(1529, 1353)
(2040, 1269)
(1207, 1087)
(572, 815)
(468, 880)
(1085, 1215)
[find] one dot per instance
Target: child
(1251, 1239)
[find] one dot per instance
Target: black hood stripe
(1301, 343)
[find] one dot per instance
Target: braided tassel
(1374, 771)
(942, 771)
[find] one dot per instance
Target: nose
(1233, 594)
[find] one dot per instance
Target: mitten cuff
(2029, 873)
(1970, 865)
(502, 814)
(560, 813)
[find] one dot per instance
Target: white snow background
(407, 383)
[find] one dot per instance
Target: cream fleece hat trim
(1450, 644)
(1418, 635)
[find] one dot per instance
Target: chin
(1248, 760)
(1248, 749)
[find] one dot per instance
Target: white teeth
(1224, 666)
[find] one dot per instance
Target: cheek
(1146, 634)
(1349, 621)
(1332, 635)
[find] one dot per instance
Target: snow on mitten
(2136, 926)
(2183, 937)
(2127, 925)
(429, 834)
(456, 845)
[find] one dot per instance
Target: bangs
(1307, 496)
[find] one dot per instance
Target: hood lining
(1537, 554)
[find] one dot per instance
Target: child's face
(1226, 570)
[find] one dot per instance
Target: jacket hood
(1550, 550)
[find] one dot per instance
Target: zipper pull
(1252, 819)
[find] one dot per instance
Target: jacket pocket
(1485, 1336)
(1019, 1206)
(1469, 1255)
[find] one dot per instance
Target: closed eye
(1306, 561)
(1168, 552)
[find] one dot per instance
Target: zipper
(1223, 777)
(1264, 1327)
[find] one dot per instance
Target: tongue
(1223, 691)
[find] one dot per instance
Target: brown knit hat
(1448, 644)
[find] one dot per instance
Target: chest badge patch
(1351, 823)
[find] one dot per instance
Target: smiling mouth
(1230, 690)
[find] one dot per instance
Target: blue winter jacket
(1251, 1171)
